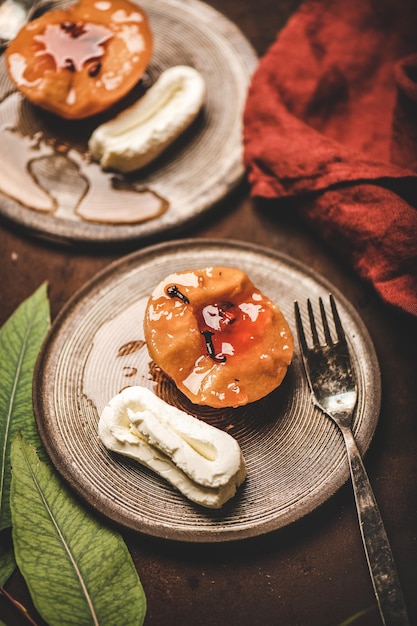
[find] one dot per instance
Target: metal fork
(334, 392)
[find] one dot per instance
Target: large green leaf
(20, 340)
(77, 570)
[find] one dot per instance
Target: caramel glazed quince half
(79, 61)
(220, 340)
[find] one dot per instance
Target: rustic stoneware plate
(295, 456)
(48, 184)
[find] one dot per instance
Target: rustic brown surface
(314, 572)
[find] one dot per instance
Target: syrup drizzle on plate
(63, 181)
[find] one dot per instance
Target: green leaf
(20, 340)
(77, 570)
(7, 562)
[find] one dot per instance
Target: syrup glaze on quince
(217, 336)
(79, 61)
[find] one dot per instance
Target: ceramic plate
(295, 456)
(48, 184)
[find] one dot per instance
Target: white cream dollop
(141, 132)
(203, 462)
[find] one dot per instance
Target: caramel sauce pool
(52, 176)
(71, 45)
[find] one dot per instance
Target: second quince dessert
(79, 61)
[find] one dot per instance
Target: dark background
(314, 572)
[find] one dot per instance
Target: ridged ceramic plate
(295, 456)
(44, 161)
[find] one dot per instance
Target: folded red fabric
(331, 119)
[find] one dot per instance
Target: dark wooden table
(314, 572)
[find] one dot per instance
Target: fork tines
(341, 338)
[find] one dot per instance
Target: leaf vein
(18, 369)
(63, 540)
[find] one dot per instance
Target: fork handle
(377, 548)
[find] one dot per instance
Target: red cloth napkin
(331, 119)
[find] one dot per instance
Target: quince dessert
(79, 61)
(220, 340)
